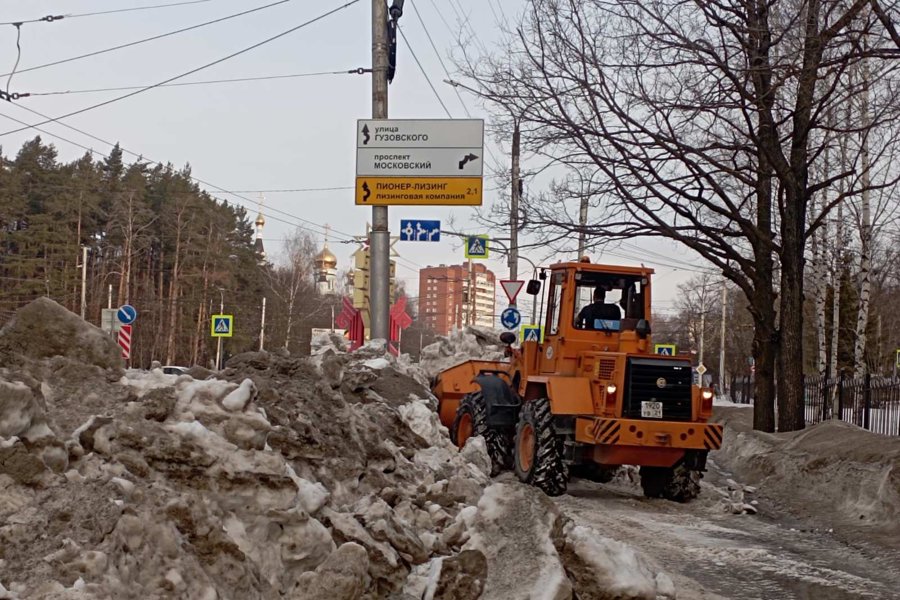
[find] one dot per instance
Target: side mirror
(508, 337)
(534, 288)
(642, 328)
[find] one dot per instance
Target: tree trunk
(790, 364)
(764, 351)
(865, 231)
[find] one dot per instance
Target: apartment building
(444, 300)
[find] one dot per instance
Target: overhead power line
(192, 71)
(425, 74)
(357, 71)
(150, 39)
(268, 213)
(439, 57)
(135, 8)
(52, 18)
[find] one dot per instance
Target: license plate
(651, 410)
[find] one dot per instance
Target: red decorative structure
(351, 320)
(399, 321)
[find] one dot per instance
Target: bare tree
(699, 121)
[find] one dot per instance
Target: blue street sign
(126, 314)
(511, 317)
(477, 246)
(413, 230)
(532, 333)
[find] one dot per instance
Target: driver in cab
(599, 309)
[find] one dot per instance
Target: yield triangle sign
(512, 288)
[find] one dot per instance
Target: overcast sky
(284, 134)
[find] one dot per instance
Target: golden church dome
(326, 259)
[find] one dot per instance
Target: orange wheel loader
(589, 394)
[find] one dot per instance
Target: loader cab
(593, 307)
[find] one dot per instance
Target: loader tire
(538, 455)
(470, 421)
(678, 483)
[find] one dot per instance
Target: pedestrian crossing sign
(664, 349)
(477, 246)
(222, 326)
(532, 333)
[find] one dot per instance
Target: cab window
(608, 302)
(554, 314)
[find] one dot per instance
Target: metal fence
(871, 402)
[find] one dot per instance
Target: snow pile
(320, 477)
(517, 544)
(44, 329)
(831, 470)
(458, 347)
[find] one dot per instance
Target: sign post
(425, 162)
(123, 338)
(221, 326)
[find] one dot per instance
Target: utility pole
(515, 194)
(84, 253)
(262, 325)
(379, 236)
(722, 341)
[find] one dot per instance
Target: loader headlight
(611, 389)
(707, 394)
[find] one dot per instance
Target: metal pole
(379, 236)
(722, 339)
(84, 252)
(514, 209)
(109, 297)
(219, 339)
(470, 313)
(262, 325)
(702, 327)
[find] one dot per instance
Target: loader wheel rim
(464, 430)
(526, 447)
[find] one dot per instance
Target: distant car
(173, 370)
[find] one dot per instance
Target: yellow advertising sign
(418, 191)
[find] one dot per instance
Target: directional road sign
(477, 246)
(126, 314)
(664, 349)
(420, 231)
(419, 162)
(222, 326)
(511, 317)
(532, 333)
(511, 288)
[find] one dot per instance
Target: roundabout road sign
(511, 317)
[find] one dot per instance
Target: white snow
(238, 399)
(377, 364)
(624, 572)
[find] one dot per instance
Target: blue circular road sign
(126, 314)
(511, 317)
